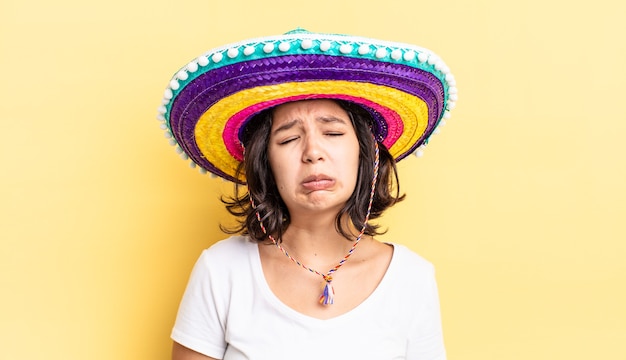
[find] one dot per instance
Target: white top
(229, 312)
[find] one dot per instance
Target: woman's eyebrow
(331, 119)
(286, 126)
(323, 119)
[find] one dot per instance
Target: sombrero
(408, 91)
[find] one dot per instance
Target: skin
(314, 154)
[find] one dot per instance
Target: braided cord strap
(328, 294)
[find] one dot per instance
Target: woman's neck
(320, 238)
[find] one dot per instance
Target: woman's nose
(313, 151)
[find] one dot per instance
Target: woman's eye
(332, 133)
(287, 140)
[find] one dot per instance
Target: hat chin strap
(328, 294)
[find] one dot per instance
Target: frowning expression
(314, 155)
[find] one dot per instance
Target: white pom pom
(449, 77)
(345, 49)
(179, 150)
(184, 156)
(268, 48)
(452, 90)
(454, 97)
(364, 49)
(442, 122)
(173, 142)
(192, 164)
(396, 54)
(168, 94)
(325, 45)
(306, 44)
(163, 126)
(439, 65)
(203, 61)
(202, 170)
(409, 55)
(437, 131)
(160, 117)
(162, 109)
(432, 59)
(232, 53)
(381, 53)
(168, 135)
(165, 101)
(422, 57)
(446, 114)
(182, 75)
(192, 67)
(451, 105)
(213, 176)
(217, 57)
(174, 84)
(248, 50)
(284, 46)
(419, 152)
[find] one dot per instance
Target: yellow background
(519, 202)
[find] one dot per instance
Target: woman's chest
(363, 338)
(304, 291)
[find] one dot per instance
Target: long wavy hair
(270, 206)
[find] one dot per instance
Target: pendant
(328, 296)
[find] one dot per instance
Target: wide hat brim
(407, 89)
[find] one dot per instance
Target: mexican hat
(408, 90)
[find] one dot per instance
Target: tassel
(328, 296)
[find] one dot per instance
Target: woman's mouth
(317, 182)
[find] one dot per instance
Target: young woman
(310, 126)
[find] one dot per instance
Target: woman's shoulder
(233, 243)
(224, 260)
(411, 261)
(229, 249)
(410, 275)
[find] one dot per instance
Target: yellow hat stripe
(210, 129)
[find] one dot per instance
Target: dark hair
(269, 204)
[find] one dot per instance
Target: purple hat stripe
(298, 68)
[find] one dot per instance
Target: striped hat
(408, 91)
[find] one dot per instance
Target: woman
(312, 125)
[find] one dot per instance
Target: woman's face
(314, 155)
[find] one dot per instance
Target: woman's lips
(317, 182)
